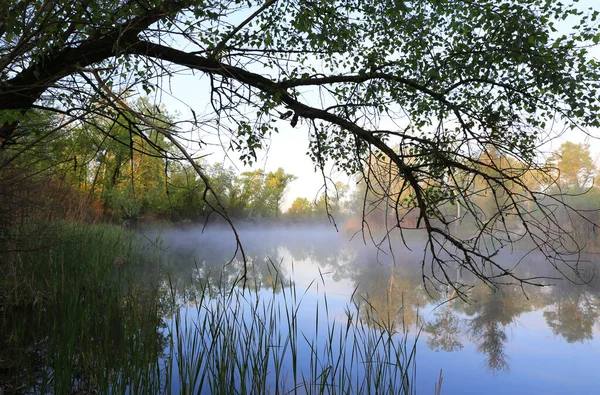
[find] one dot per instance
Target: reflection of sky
(304, 275)
(539, 361)
(309, 299)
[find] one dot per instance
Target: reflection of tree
(444, 331)
(573, 313)
(390, 292)
(203, 264)
(490, 338)
(390, 296)
(338, 260)
(202, 276)
(494, 311)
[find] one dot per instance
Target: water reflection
(388, 286)
(490, 318)
(89, 341)
(444, 330)
(391, 296)
(128, 328)
(572, 310)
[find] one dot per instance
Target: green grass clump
(72, 320)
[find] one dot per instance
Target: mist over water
(319, 309)
(498, 340)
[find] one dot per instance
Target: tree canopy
(429, 88)
(574, 166)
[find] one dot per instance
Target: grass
(71, 319)
(249, 342)
(93, 314)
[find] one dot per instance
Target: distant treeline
(109, 171)
(113, 171)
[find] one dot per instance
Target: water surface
(318, 313)
(510, 339)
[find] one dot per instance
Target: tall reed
(92, 313)
(74, 320)
(254, 340)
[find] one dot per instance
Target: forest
(81, 175)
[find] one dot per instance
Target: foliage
(301, 208)
(429, 87)
(265, 192)
(331, 204)
(574, 168)
(130, 176)
(574, 172)
(254, 195)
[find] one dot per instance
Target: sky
(288, 149)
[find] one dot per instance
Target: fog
(343, 253)
(319, 240)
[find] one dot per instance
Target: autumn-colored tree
(574, 168)
(276, 184)
(301, 208)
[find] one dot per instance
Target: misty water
(318, 313)
(511, 340)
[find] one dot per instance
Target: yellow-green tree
(574, 168)
(301, 208)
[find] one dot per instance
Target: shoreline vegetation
(94, 312)
(87, 308)
(439, 112)
(101, 311)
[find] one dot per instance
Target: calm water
(164, 322)
(536, 340)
